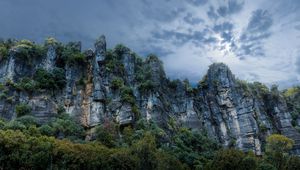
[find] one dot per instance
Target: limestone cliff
(118, 85)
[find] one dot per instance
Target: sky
(258, 39)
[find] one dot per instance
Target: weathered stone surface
(231, 114)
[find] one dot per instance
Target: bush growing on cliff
(119, 50)
(26, 84)
(117, 83)
(127, 95)
(113, 63)
(64, 127)
(23, 109)
(26, 51)
(107, 134)
(50, 80)
(146, 86)
(3, 52)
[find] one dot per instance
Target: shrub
(3, 52)
(127, 95)
(50, 80)
(26, 51)
(59, 77)
(66, 127)
(2, 123)
(72, 56)
(152, 58)
(23, 109)
(117, 83)
(27, 120)
(249, 163)
(228, 159)
(173, 84)
(266, 166)
(120, 49)
(26, 84)
(51, 41)
(47, 130)
(148, 85)
(15, 125)
(107, 134)
(277, 149)
(293, 163)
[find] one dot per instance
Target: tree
(277, 149)
(293, 163)
(228, 159)
(107, 134)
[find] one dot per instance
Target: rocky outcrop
(121, 87)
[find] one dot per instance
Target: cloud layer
(258, 39)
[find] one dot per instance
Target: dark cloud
(260, 21)
(226, 26)
(190, 19)
(258, 29)
(197, 2)
(199, 38)
(165, 11)
(225, 31)
(159, 51)
(212, 14)
(233, 6)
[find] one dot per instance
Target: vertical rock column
(98, 96)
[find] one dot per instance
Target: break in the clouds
(258, 39)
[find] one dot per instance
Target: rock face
(119, 86)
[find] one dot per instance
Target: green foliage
(26, 51)
(259, 89)
(72, 56)
(203, 83)
(227, 159)
(113, 63)
(146, 146)
(14, 125)
(190, 146)
(50, 80)
(244, 86)
(47, 130)
(27, 120)
(277, 149)
(106, 134)
(291, 91)
(3, 52)
(279, 143)
(65, 127)
(148, 85)
(117, 83)
(23, 109)
(188, 86)
(120, 49)
(266, 166)
(152, 58)
(26, 84)
(293, 163)
(173, 84)
(249, 163)
(23, 151)
(127, 95)
(51, 41)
